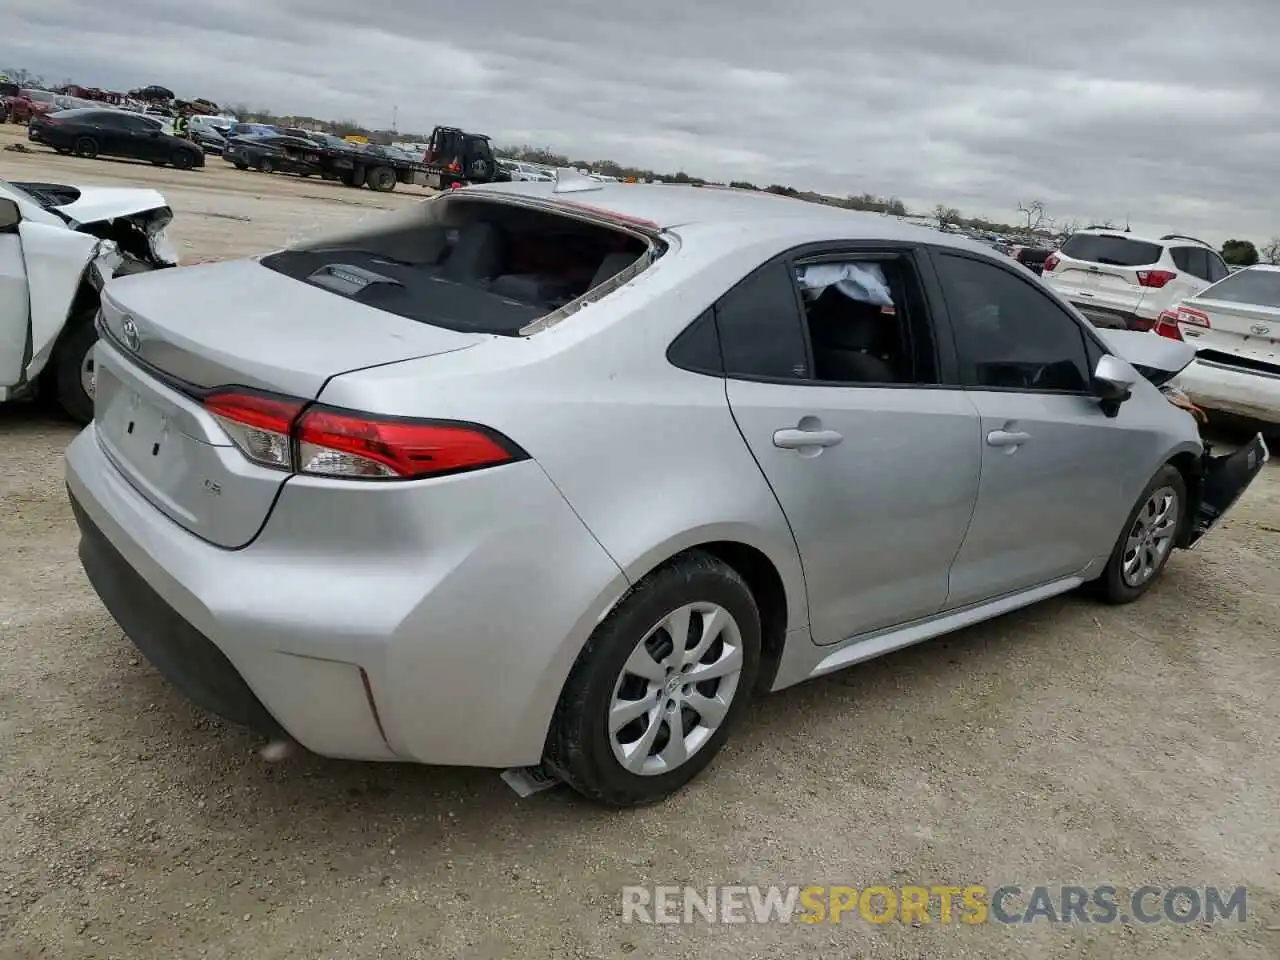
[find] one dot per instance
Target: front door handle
(801, 439)
(1007, 438)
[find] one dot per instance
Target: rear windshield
(466, 264)
(1260, 287)
(1116, 251)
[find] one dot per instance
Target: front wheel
(184, 159)
(1147, 540)
(266, 166)
(660, 684)
(74, 376)
(86, 147)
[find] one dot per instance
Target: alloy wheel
(675, 689)
(1150, 537)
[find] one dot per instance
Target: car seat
(844, 333)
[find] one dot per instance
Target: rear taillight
(1050, 262)
(1194, 317)
(1167, 325)
(288, 434)
(1155, 278)
(258, 424)
(339, 443)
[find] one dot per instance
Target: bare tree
(1033, 211)
(945, 215)
(1271, 251)
(1070, 227)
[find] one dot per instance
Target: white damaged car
(58, 245)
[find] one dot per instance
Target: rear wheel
(653, 696)
(86, 147)
(1147, 540)
(382, 179)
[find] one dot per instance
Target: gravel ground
(1069, 743)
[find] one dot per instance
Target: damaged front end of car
(1214, 483)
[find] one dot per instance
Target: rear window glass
(1261, 287)
(1116, 251)
(465, 264)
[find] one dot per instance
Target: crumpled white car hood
(107, 203)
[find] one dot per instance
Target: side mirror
(1113, 383)
(10, 215)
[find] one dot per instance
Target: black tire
(86, 147)
(266, 165)
(66, 364)
(184, 159)
(381, 179)
(241, 165)
(1111, 586)
(579, 748)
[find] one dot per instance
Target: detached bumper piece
(184, 656)
(1224, 481)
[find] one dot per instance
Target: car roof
(672, 205)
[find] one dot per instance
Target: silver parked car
(562, 474)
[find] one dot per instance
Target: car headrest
(479, 253)
(612, 264)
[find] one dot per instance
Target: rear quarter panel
(648, 455)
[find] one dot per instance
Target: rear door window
(1115, 251)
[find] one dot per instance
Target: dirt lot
(1065, 744)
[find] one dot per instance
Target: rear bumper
(433, 622)
(1215, 386)
(187, 659)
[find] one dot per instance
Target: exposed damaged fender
(1157, 358)
(56, 259)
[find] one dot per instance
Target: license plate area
(1225, 480)
(141, 431)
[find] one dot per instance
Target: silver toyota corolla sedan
(561, 474)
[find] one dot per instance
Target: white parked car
(1235, 327)
(1121, 280)
(58, 245)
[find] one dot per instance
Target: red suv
(27, 103)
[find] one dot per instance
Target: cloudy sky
(1163, 111)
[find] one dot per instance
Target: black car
(99, 132)
(1032, 258)
(273, 152)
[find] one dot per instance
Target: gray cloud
(1166, 112)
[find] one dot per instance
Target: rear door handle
(800, 439)
(1007, 438)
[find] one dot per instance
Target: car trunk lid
(171, 335)
(240, 323)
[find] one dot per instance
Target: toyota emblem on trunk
(1259, 329)
(130, 331)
